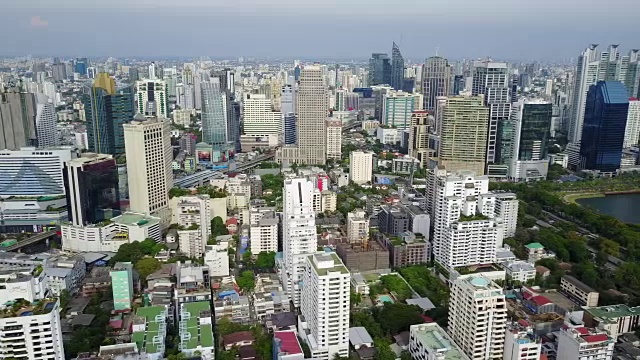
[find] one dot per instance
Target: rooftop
(534, 245)
(21, 307)
(579, 284)
(433, 337)
(288, 342)
(153, 317)
(198, 334)
(613, 311)
(130, 218)
(319, 261)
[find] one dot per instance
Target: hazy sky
(502, 29)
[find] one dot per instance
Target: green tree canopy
(147, 266)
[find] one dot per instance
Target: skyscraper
(491, 79)
(46, 122)
(149, 171)
(436, 81)
(632, 130)
(106, 110)
(299, 238)
(81, 65)
(606, 110)
(419, 137)
(379, 69)
(462, 127)
(397, 107)
(532, 130)
(259, 118)
(91, 183)
(215, 115)
(290, 130)
(151, 98)
(397, 68)
(17, 118)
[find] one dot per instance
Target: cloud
(37, 22)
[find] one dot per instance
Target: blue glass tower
(290, 137)
(605, 119)
(397, 68)
(81, 66)
(380, 69)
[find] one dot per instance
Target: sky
(501, 29)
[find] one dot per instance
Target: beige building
(149, 156)
(259, 118)
(360, 167)
(357, 226)
(334, 139)
(329, 201)
(462, 123)
(419, 138)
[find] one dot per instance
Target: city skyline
(52, 29)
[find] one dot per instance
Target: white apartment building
(357, 225)
(329, 200)
(46, 122)
(360, 167)
(240, 184)
(183, 116)
(194, 210)
(584, 344)
(299, 238)
(431, 342)
(27, 284)
(334, 139)
(264, 234)
(149, 172)
(507, 210)
(478, 317)
(151, 98)
(259, 119)
(216, 257)
(632, 131)
(325, 306)
(269, 297)
(521, 342)
(191, 243)
(65, 273)
(32, 332)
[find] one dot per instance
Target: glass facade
(214, 114)
(96, 189)
(379, 69)
(603, 131)
(397, 68)
(535, 131)
(105, 114)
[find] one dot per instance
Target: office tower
(152, 71)
(325, 306)
(632, 130)
(46, 122)
(29, 334)
(521, 342)
(397, 107)
(548, 88)
(92, 189)
(227, 79)
(30, 172)
(81, 66)
(290, 130)
(92, 72)
(462, 127)
(122, 285)
(458, 84)
(478, 317)
(514, 88)
(531, 132)
(234, 125)
(379, 69)
(259, 118)
(605, 118)
(149, 172)
(334, 139)
(59, 72)
(346, 100)
(299, 238)
(466, 231)
(397, 68)
(17, 118)
(436, 81)
(151, 98)
(357, 226)
(360, 167)
(288, 99)
(214, 114)
(419, 137)
(491, 79)
(107, 109)
(134, 75)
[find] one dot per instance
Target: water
(622, 207)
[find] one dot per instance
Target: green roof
(129, 218)
(534, 246)
(144, 339)
(612, 312)
(199, 334)
(433, 337)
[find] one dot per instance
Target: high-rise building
(397, 68)
(478, 317)
(462, 125)
(466, 229)
(152, 71)
(379, 69)
(507, 205)
(299, 238)
(122, 285)
(81, 66)
(151, 98)
(288, 99)
(17, 119)
(325, 306)
(149, 171)
(259, 118)
(214, 114)
(492, 80)
(107, 109)
(360, 167)
(357, 226)
(583, 343)
(334, 139)
(632, 130)
(92, 188)
(46, 122)
(521, 342)
(264, 233)
(290, 131)
(397, 107)
(531, 133)
(605, 119)
(419, 137)
(33, 172)
(59, 72)
(436, 81)
(28, 334)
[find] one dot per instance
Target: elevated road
(31, 240)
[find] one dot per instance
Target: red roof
(116, 324)
(288, 342)
(633, 99)
(582, 330)
(426, 319)
(232, 221)
(523, 322)
(540, 300)
(543, 357)
(596, 338)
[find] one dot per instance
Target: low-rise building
(269, 297)
(521, 342)
(579, 292)
(615, 319)
(365, 256)
(122, 285)
(28, 285)
(149, 329)
(286, 346)
(536, 251)
(65, 273)
(196, 330)
(583, 343)
(98, 280)
(191, 243)
(521, 271)
(216, 257)
(431, 342)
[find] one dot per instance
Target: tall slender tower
(397, 67)
(436, 81)
(313, 107)
(214, 114)
(46, 122)
(17, 118)
(586, 75)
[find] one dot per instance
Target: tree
(147, 266)
(397, 317)
(64, 299)
(356, 298)
(218, 227)
(246, 281)
(247, 257)
(266, 260)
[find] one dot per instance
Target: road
(31, 240)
